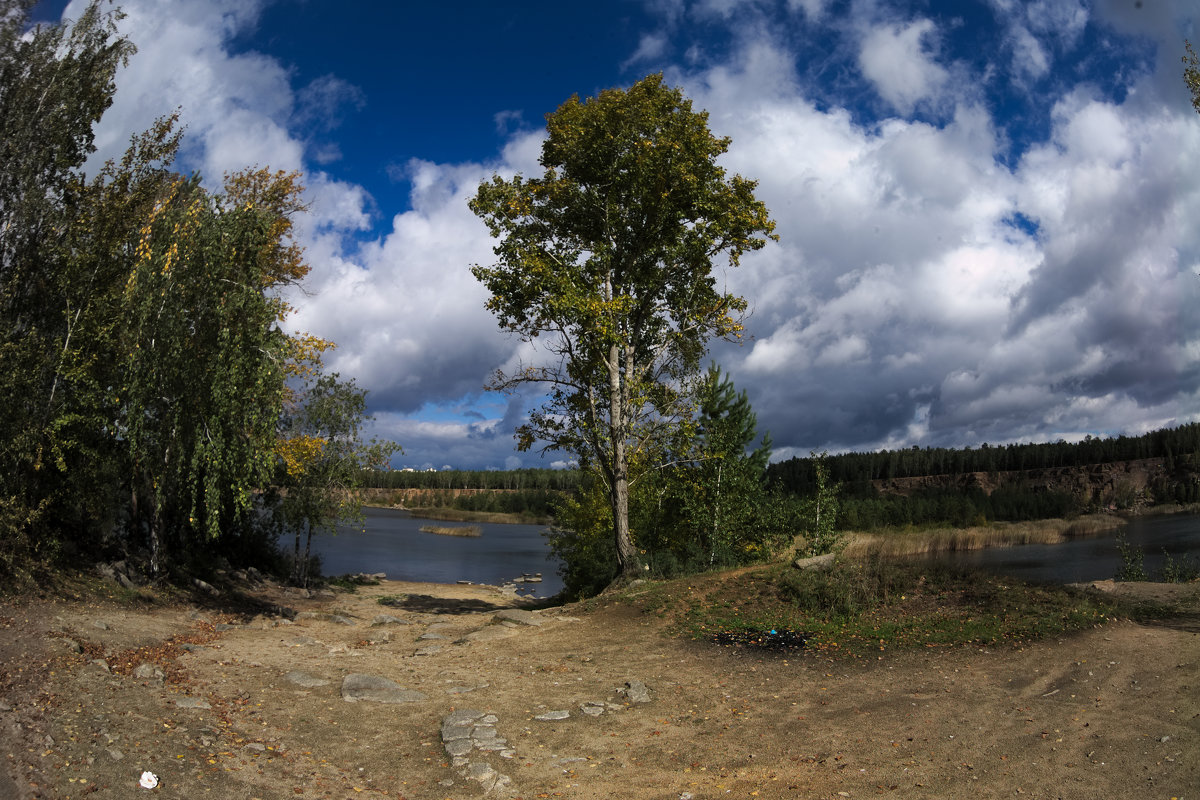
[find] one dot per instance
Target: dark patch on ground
(781, 639)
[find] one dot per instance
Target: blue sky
(988, 208)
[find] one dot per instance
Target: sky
(989, 210)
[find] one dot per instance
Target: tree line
(154, 404)
(1178, 446)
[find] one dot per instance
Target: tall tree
(322, 459)
(726, 482)
(55, 83)
(609, 256)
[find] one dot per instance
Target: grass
(453, 530)
(863, 607)
(929, 541)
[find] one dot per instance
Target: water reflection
(392, 542)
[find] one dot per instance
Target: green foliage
(850, 588)
(582, 540)
(1191, 74)
(858, 609)
(608, 257)
(1185, 570)
(1133, 561)
(820, 511)
(142, 366)
(55, 82)
(323, 458)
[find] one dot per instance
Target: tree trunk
(627, 558)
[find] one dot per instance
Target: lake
(1093, 558)
(393, 542)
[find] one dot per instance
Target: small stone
(451, 732)
(480, 771)
(431, 636)
(101, 624)
(520, 615)
(428, 650)
(488, 634)
(257, 746)
(5, 706)
(388, 619)
(115, 754)
(192, 702)
(376, 689)
(490, 719)
(304, 679)
(592, 709)
(636, 692)
(458, 747)
(552, 716)
(462, 716)
(224, 626)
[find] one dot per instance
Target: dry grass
(929, 541)
(453, 530)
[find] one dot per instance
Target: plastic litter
(149, 780)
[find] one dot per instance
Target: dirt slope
(1113, 712)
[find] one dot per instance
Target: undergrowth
(862, 607)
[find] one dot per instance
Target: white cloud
(895, 58)
(906, 303)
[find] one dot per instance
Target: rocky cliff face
(1121, 484)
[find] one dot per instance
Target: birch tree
(608, 260)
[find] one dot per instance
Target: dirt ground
(1111, 712)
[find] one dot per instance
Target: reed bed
(453, 530)
(931, 541)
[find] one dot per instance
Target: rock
(458, 747)
(519, 615)
(553, 716)
(592, 709)
(5, 706)
(115, 754)
(428, 650)
(465, 689)
(376, 689)
(304, 679)
(822, 563)
(430, 635)
(488, 634)
(72, 646)
(635, 692)
(224, 626)
(191, 702)
(463, 716)
(100, 664)
(388, 619)
(101, 624)
(149, 672)
(193, 648)
(206, 587)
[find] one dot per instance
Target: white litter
(149, 780)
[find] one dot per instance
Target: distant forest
(1178, 446)
(862, 506)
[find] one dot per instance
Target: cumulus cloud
(926, 290)
(898, 61)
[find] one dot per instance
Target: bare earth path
(254, 706)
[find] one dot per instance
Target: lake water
(1094, 558)
(393, 542)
